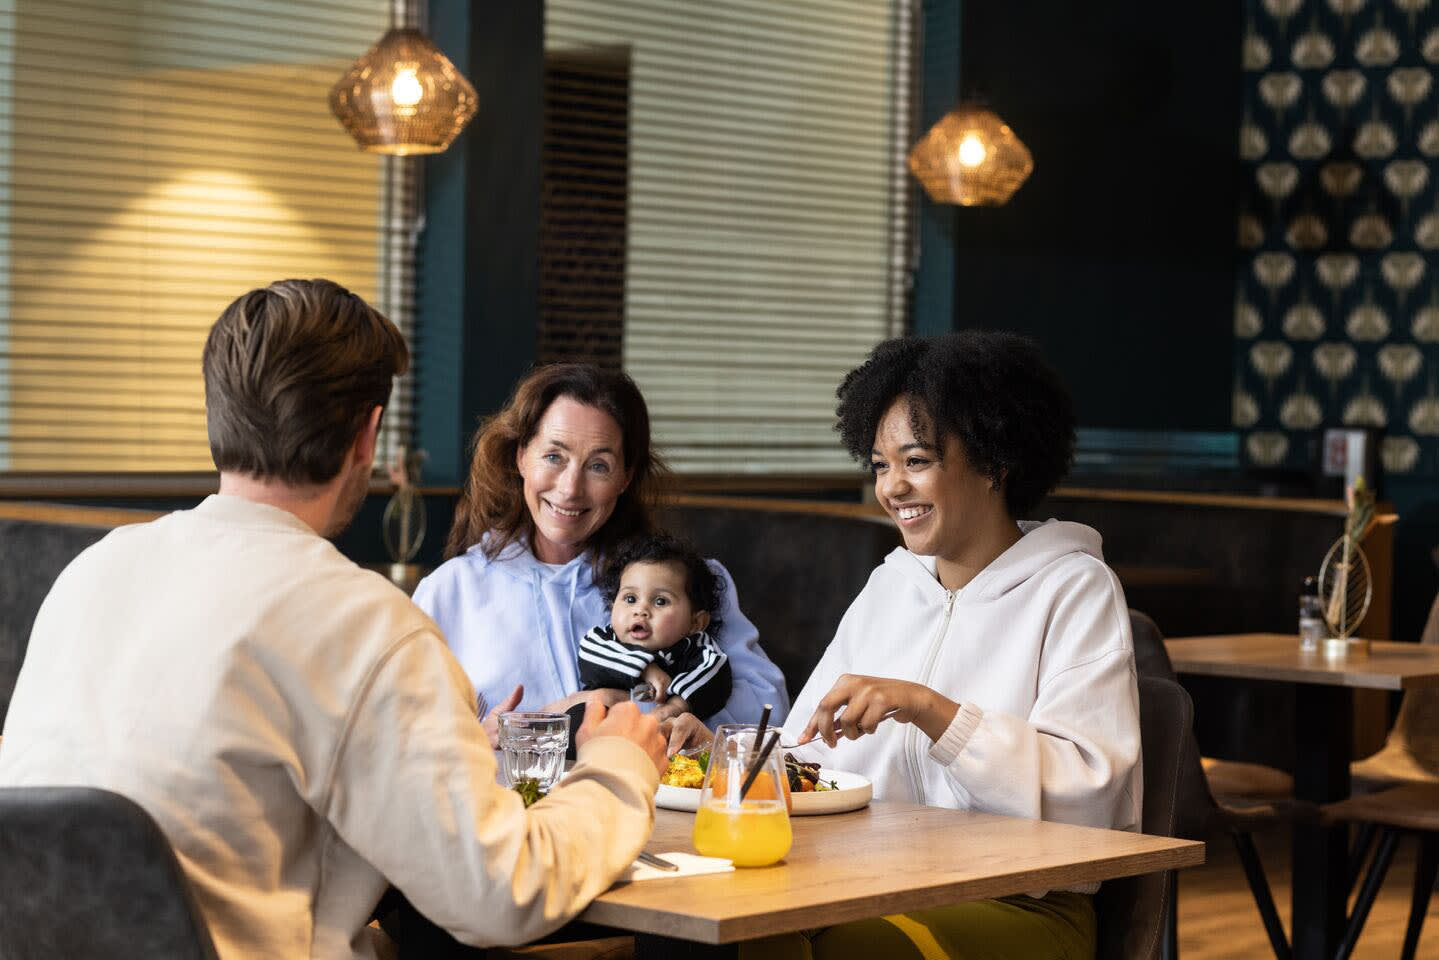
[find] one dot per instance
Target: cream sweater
(1036, 649)
(303, 736)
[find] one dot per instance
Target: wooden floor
(1218, 920)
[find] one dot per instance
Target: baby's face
(652, 609)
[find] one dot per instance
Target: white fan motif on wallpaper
(1378, 47)
(1367, 322)
(1253, 144)
(1426, 231)
(1279, 91)
(1266, 447)
(1399, 454)
(1245, 409)
(1429, 140)
(1425, 326)
(1402, 271)
(1370, 231)
(1273, 270)
(1410, 86)
(1364, 409)
(1375, 140)
(1247, 322)
(1270, 359)
(1335, 362)
(1307, 232)
(1255, 55)
(1343, 88)
(1399, 363)
(1424, 415)
(1301, 410)
(1337, 271)
(1312, 51)
(1303, 321)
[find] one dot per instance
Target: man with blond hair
(298, 728)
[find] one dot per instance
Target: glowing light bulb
(406, 90)
(971, 151)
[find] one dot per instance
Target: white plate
(854, 792)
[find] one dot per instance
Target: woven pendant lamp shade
(403, 97)
(971, 158)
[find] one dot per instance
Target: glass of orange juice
(753, 831)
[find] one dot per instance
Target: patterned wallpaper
(1336, 315)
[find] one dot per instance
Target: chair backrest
(86, 874)
(1132, 911)
(1194, 802)
(1417, 726)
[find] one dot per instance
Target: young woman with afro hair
(987, 665)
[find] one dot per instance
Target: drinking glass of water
(533, 746)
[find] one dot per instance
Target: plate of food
(813, 789)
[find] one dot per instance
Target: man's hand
(655, 676)
(623, 720)
(868, 701)
(491, 721)
(685, 732)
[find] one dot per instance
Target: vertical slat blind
(158, 158)
(766, 213)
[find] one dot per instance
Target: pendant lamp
(403, 97)
(971, 158)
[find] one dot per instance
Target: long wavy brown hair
(493, 500)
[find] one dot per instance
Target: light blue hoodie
(516, 620)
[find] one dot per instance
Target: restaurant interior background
(714, 196)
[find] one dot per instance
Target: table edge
(1177, 854)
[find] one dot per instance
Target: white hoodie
(1036, 649)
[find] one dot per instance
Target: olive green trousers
(1060, 926)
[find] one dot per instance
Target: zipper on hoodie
(914, 751)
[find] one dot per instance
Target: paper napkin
(690, 865)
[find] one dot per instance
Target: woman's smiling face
(573, 473)
(932, 493)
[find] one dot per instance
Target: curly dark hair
(703, 586)
(993, 391)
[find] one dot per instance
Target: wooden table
(886, 858)
(1323, 749)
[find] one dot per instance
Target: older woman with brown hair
(560, 477)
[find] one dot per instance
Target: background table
(1323, 749)
(887, 858)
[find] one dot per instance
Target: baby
(662, 627)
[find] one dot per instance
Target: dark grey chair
(86, 874)
(1134, 912)
(1198, 812)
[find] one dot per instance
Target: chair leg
(1388, 840)
(1424, 874)
(1169, 950)
(1363, 843)
(1263, 898)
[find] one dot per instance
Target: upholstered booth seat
(797, 565)
(33, 553)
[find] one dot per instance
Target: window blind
(157, 159)
(765, 210)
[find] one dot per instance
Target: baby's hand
(657, 679)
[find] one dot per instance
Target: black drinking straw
(758, 763)
(763, 724)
